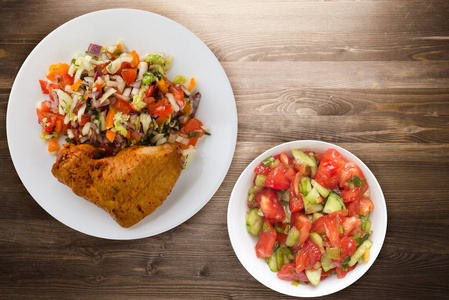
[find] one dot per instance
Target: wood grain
(370, 76)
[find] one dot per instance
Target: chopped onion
(106, 95)
(94, 95)
(81, 111)
(127, 92)
(182, 140)
(98, 74)
(105, 56)
(172, 101)
(94, 50)
(195, 103)
(143, 67)
(86, 128)
(121, 86)
(135, 91)
(121, 96)
(136, 84)
(185, 90)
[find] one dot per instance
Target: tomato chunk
(270, 204)
(265, 245)
(310, 254)
(342, 273)
(288, 272)
(328, 170)
(328, 225)
(277, 179)
(348, 245)
(262, 170)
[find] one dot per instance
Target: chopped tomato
(262, 170)
(342, 273)
(290, 172)
(163, 113)
(265, 245)
(65, 80)
(194, 125)
(366, 205)
(328, 225)
(348, 172)
(350, 195)
(296, 203)
(84, 119)
(44, 86)
(281, 237)
(353, 208)
(328, 170)
(349, 224)
(150, 91)
(129, 75)
(179, 96)
(303, 224)
(46, 118)
(288, 272)
(309, 255)
(122, 106)
(348, 246)
(272, 208)
(277, 179)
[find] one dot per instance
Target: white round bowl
(244, 243)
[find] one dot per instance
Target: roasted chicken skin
(129, 186)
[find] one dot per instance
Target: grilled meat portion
(129, 186)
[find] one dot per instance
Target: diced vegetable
(254, 222)
(359, 252)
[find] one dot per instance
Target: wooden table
(370, 76)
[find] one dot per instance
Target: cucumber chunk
(327, 263)
(280, 257)
(333, 253)
(359, 252)
(301, 157)
(292, 237)
(272, 262)
(254, 222)
(305, 186)
(321, 189)
(333, 203)
(285, 196)
(311, 204)
(316, 216)
(260, 179)
(254, 190)
(314, 276)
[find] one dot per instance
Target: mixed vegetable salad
(113, 98)
(310, 212)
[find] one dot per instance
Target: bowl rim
(317, 291)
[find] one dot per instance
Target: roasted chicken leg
(129, 186)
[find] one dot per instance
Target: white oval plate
(244, 243)
(144, 32)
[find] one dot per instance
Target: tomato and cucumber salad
(310, 212)
(113, 98)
